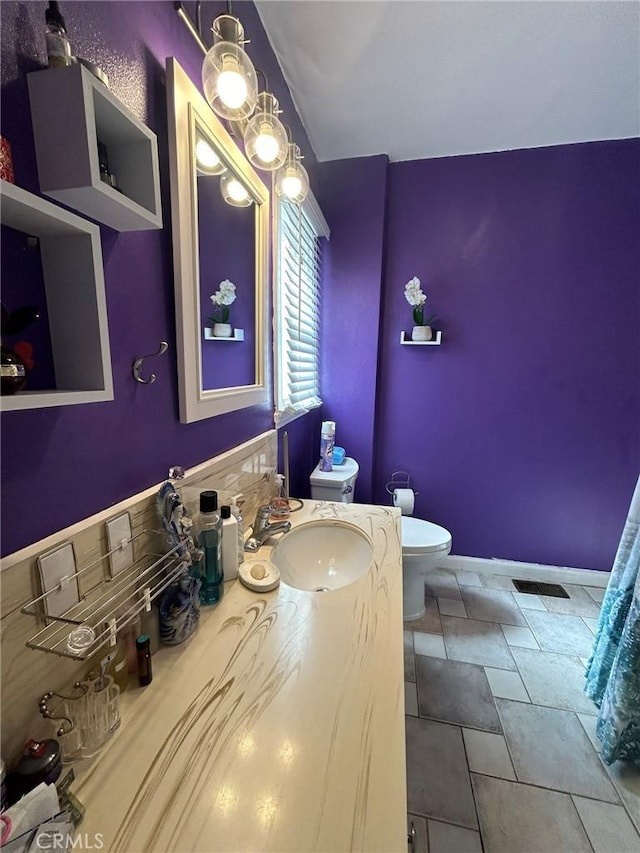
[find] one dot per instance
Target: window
(297, 276)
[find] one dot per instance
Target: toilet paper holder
(399, 480)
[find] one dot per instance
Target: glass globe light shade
(265, 138)
(207, 161)
(292, 180)
(229, 81)
(234, 192)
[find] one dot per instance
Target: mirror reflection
(226, 217)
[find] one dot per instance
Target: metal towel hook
(137, 365)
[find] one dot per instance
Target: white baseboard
(526, 571)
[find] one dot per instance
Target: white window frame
(310, 209)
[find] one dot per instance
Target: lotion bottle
(229, 544)
(236, 513)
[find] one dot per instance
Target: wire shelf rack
(110, 604)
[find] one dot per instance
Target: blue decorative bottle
(209, 537)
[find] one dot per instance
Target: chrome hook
(137, 365)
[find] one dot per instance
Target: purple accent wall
(60, 465)
(352, 194)
(521, 431)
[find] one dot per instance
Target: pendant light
(228, 76)
(207, 161)
(265, 138)
(234, 191)
(292, 180)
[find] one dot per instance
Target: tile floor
(502, 755)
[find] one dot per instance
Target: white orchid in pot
(422, 325)
(222, 300)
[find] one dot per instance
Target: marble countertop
(279, 726)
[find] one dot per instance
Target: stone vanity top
(277, 727)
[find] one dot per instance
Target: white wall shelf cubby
(405, 340)
(71, 254)
(238, 335)
(71, 110)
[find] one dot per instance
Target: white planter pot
(222, 330)
(421, 333)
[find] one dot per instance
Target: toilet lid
(423, 537)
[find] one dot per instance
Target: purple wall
(522, 430)
(351, 194)
(60, 465)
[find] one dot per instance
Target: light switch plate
(119, 530)
(53, 567)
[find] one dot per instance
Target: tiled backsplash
(26, 673)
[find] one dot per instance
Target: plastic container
(209, 538)
(229, 544)
(327, 441)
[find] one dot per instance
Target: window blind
(298, 281)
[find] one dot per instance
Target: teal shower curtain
(613, 673)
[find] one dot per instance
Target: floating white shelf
(71, 255)
(70, 111)
(238, 335)
(405, 340)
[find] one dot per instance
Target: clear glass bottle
(209, 537)
(58, 47)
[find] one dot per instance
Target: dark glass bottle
(209, 537)
(145, 676)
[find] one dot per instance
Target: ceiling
(432, 79)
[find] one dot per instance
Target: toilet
(424, 544)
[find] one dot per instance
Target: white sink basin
(323, 555)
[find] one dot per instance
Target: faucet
(263, 530)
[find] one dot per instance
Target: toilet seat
(423, 537)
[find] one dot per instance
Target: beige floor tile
(515, 635)
(487, 753)
(550, 748)
(579, 603)
(506, 685)
(410, 699)
(556, 681)
(429, 622)
(452, 607)
(529, 601)
(447, 838)
(455, 692)
(518, 818)
(492, 605)
(409, 660)
(437, 773)
(468, 579)
(442, 583)
(589, 725)
(626, 778)
(497, 582)
(608, 827)
(472, 641)
(429, 644)
(567, 635)
(595, 592)
(419, 826)
(592, 624)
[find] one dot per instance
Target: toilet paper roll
(404, 500)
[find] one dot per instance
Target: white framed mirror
(220, 224)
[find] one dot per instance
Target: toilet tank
(337, 485)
